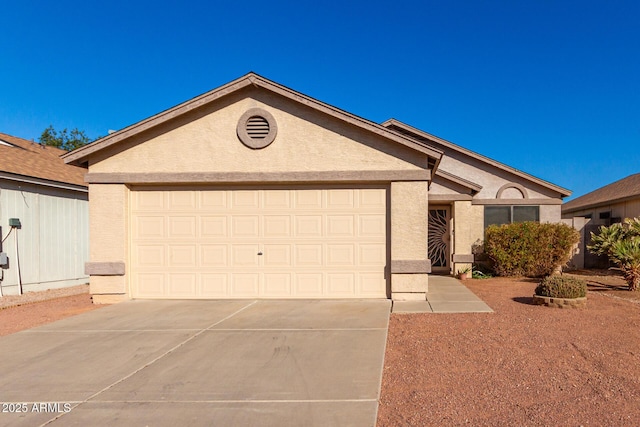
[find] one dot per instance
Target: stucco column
(409, 263)
(108, 225)
(468, 220)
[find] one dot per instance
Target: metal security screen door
(439, 239)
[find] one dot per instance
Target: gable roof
(619, 191)
(81, 155)
(428, 138)
(21, 159)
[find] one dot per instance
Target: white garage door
(304, 243)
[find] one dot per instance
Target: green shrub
(562, 287)
(529, 249)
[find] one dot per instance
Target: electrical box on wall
(4, 260)
(14, 222)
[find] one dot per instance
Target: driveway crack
(171, 350)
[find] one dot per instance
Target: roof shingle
(31, 159)
(623, 189)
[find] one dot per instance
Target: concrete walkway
(200, 363)
(446, 295)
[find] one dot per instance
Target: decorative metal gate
(439, 240)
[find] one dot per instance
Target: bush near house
(621, 243)
(562, 287)
(529, 249)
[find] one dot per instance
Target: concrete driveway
(199, 363)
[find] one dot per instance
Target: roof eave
(44, 182)
(600, 204)
(81, 155)
(560, 190)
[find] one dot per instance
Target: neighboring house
(254, 190)
(50, 200)
(604, 206)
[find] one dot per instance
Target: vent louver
(257, 127)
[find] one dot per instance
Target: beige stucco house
(254, 190)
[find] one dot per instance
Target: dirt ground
(20, 312)
(522, 365)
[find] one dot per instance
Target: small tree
(621, 243)
(65, 139)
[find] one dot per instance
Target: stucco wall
(108, 219)
(409, 205)
(468, 232)
(53, 242)
(550, 213)
(305, 141)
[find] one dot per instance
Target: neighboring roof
(21, 159)
(619, 191)
(427, 138)
(80, 155)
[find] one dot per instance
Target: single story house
(604, 206)
(254, 190)
(49, 201)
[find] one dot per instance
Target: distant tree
(64, 139)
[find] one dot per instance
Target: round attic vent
(256, 128)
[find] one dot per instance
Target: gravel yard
(522, 365)
(20, 312)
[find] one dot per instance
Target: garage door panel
(369, 284)
(245, 256)
(181, 284)
(245, 285)
(277, 284)
(340, 198)
(278, 226)
(150, 256)
(214, 256)
(308, 226)
(308, 255)
(151, 285)
(277, 255)
(277, 199)
(372, 225)
(372, 254)
(245, 226)
(214, 200)
(214, 227)
(277, 243)
(214, 285)
(372, 199)
(340, 284)
(182, 227)
(308, 199)
(243, 199)
(341, 255)
(308, 285)
(182, 200)
(340, 225)
(149, 227)
(149, 201)
(182, 256)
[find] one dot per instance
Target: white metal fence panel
(53, 241)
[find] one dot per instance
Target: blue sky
(549, 87)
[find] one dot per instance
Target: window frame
(511, 213)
